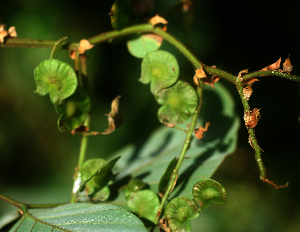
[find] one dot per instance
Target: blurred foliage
(37, 161)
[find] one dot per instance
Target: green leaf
(179, 212)
(164, 180)
(204, 156)
(80, 217)
(140, 46)
(73, 110)
(133, 187)
(97, 173)
(145, 203)
(161, 69)
(179, 103)
(209, 191)
(101, 195)
(57, 48)
(56, 78)
(89, 172)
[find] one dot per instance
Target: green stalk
(172, 40)
(220, 73)
(81, 160)
(253, 141)
(81, 68)
(187, 141)
(124, 32)
(34, 43)
(11, 201)
(270, 73)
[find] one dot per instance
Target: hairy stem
(270, 73)
(220, 73)
(253, 142)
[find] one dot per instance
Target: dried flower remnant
(211, 81)
(200, 74)
(250, 81)
(164, 225)
(273, 66)
(84, 45)
(247, 91)
(287, 65)
(157, 19)
(11, 32)
(240, 76)
(114, 117)
(251, 118)
(200, 131)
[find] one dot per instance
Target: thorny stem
(184, 150)
(253, 142)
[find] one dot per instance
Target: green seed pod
(209, 191)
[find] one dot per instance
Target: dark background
(37, 161)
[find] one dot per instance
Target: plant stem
(221, 73)
(270, 73)
(77, 174)
(184, 150)
(143, 28)
(43, 206)
(81, 159)
(253, 141)
(172, 40)
(11, 201)
(34, 43)
(77, 67)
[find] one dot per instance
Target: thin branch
(184, 150)
(270, 73)
(253, 142)
(34, 43)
